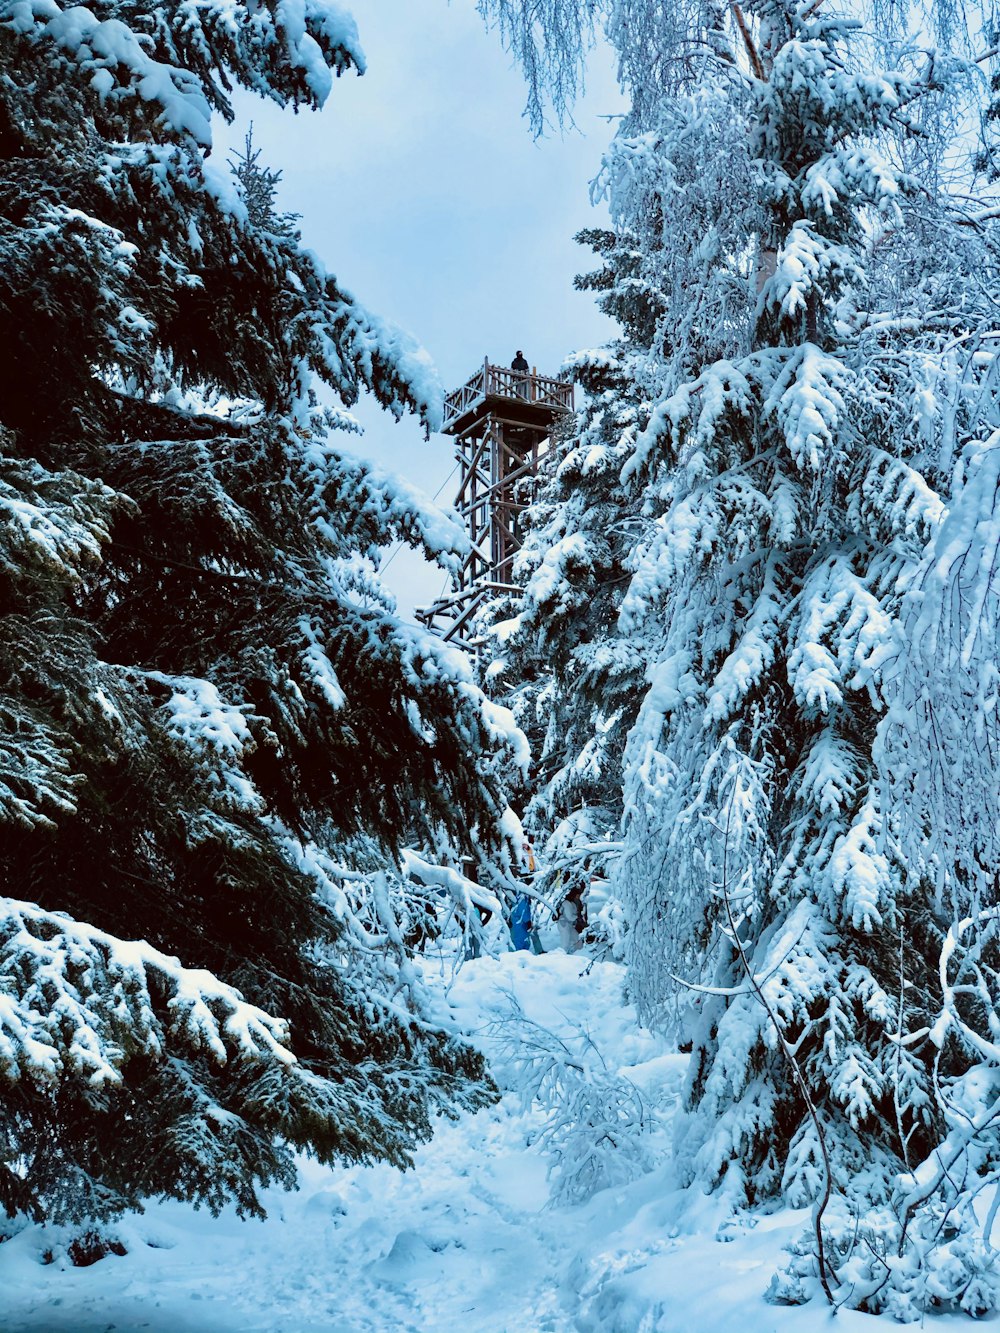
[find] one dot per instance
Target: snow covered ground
(469, 1241)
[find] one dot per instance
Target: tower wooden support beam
(502, 423)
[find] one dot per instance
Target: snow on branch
(356, 504)
(77, 1004)
(807, 403)
(114, 58)
(939, 743)
(463, 892)
(52, 522)
(287, 51)
(964, 564)
(36, 773)
(550, 40)
(199, 718)
(840, 637)
(895, 499)
(350, 347)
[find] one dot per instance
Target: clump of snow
(201, 719)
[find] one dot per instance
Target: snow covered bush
(598, 1126)
(212, 715)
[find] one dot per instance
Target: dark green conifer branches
(210, 715)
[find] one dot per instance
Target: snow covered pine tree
(573, 683)
(211, 715)
(259, 189)
(791, 452)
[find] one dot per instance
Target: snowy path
(468, 1241)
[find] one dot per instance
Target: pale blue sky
(420, 186)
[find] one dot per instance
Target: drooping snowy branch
(77, 1004)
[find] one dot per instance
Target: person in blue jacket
(520, 922)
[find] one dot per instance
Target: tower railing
(491, 381)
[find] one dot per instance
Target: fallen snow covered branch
(597, 1127)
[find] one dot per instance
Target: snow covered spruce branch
(77, 1004)
(930, 1245)
(738, 907)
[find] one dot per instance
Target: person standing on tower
(521, 368)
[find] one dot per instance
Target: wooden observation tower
(502, 423)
